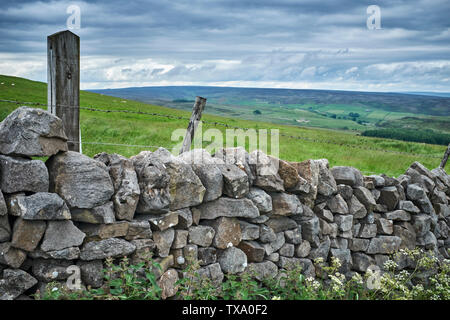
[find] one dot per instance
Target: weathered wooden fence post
(196, 115)
(63, 83)
(445, 158)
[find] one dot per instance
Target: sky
(305, 44)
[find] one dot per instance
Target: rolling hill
(128, 133)
(344, 110)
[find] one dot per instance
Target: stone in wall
(31, 132)
(207, 170)
(81, 181)
(185, 188)
(227, 207)
(23, 175)
(125, 182)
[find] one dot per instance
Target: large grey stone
(91, 273)
(235, 181)
(368, 230)
(356, 208)
(284, 204)
(49, 270)
(422, 224)
(164, 221)
(265, 169)
(344, 222)
(163, 241)
(415, 192)
(236, 156)
(365, 197)
(266, 234)
(125, 182)
(249, 231)
(294, 236)
(81, 181)
(201, 235)
(348, 176)
(185, 218)
(263, 270)
(153, 183)
(277, 243)
(23, 175)
(112, 247)
(207, 170)
(278, 224)
(357, 244)
(322, 250)
(310, 229)
(397, 215)
(408, 206)
(100, 214)
(185, 188)
(227, 207)
(138, 230)
(212, 272)
(288, 174)
(60, 235)
(253, 250)
(227, 232)
(11, 256)
(207, 255)
(385, 226)
(303, 249)
(337, 204)
(104, 231)
(390, 197)
(14, 283)
(168, 284)
(406, 232)
(39, 206)
(362, 261)
(32, 132)
(27, 234)
(260, 199)
(232, 260)
(384, 245)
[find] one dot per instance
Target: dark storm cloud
(290, 43)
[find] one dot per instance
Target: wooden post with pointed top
(445, 158)
(196, 115)
(63, 83)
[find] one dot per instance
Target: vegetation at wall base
(429, 279)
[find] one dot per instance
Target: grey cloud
(256, 41)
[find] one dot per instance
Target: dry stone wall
(232, 212)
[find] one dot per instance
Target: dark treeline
(425, 136)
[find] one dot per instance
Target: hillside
(344, 110)
(102, 131)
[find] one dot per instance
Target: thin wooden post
(196, 115)
(445, 158)
(63, 83)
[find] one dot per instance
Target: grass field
(340, 148)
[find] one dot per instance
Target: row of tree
(425, 136)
